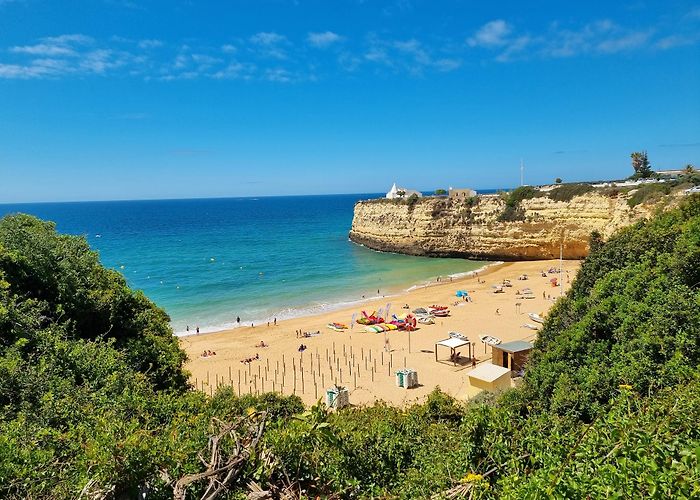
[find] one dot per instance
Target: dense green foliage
(63, 283)
(513, 211)
(648, 193)
(566, 192)
(92, 397)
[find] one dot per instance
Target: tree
(641, 166)
(440, 192)
(557, 180)
(401, 193)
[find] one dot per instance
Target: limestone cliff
(474, 228)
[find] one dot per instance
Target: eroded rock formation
(441, 227)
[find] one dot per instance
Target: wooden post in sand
(355, 381)
(196, 384)
(239, 382)
(207, 377)
(341, 376)
(382, 353)
(229, 374)
(323, 380)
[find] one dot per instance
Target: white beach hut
(490, 377)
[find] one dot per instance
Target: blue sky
(127, 99)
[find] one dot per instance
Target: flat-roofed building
(461, 194)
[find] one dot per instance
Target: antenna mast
(522, 168)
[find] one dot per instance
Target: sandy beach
(358, 360)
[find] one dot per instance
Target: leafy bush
(513, 211)
(567, 191)
(648, 193)
(412, 200)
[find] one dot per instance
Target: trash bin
(400, 378)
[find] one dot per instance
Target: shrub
(513, 211)
(648, 193)
(567, 191)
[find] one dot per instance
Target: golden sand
(358, 360)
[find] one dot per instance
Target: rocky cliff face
(441, 227)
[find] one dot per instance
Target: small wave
(319, 308)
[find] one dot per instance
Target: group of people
(306, 335)
(251, 359)
(188, 329)
(206, 354)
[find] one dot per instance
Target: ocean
(209, 261)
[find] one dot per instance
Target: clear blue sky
(124, 99)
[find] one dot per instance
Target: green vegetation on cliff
(94, 400)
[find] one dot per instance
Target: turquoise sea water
(208, 261)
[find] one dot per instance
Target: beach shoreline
(341, 305)
(369, 368)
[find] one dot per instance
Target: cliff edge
(488, 227)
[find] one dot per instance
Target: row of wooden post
(253, 383)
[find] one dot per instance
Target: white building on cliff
(399, 192)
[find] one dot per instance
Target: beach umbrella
(388, 306)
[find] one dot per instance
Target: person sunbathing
(302, 348)
(455, 357)
(262, 344)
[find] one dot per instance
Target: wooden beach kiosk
(453, 343)
(490, 377)
(512, 355)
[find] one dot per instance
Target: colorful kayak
(338, 327)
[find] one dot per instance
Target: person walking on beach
(187, 328)
(197, 330)
(238, 320)
(275, 322)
